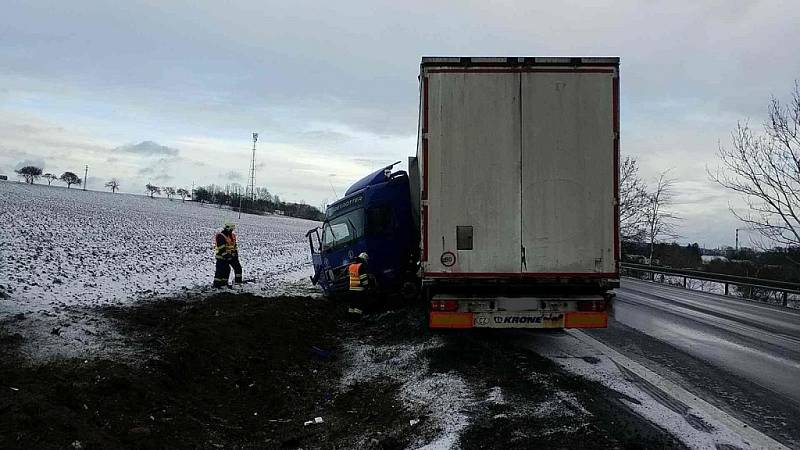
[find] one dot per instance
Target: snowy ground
(69, 247)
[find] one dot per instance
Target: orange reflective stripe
(450, 319)
(586, 319)
(229, 246)
(355, 279)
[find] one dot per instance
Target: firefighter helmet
(363, 256)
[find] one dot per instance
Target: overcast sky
(169, 92)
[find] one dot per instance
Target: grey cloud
(232, 175)
(163, 177)
(154, 175)
(30, 162)
(374, 163)
(160, 170)
(322, 136)
(148, 148)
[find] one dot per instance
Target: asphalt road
(743, 357)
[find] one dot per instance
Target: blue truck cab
(375, 216)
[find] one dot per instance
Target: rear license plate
(520, 319)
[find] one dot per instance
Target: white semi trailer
(516, 184)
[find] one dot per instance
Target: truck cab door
(315, 245)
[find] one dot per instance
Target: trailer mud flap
(586, 320)
(440, 319)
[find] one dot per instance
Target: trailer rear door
(568, 172)
(471, 194)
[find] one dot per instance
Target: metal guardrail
(783, 288)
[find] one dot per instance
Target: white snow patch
(368, 362)
(564, 405)
(566, 429)
(445, 396)
(442, 397)
(496, 396)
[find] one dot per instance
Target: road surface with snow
(739, 359)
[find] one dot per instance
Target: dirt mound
(229, 371)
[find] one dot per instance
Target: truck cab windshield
(343, 229)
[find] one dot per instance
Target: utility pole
(240, 205)
(737, 239)
(251, 185)
(85, 173)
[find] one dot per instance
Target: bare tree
(764, 169)
(183, 193)
(49, 177)
(152, 190)
(660, 220)
(262, 193)
(633, 202)
(70, 178)
(113, 184)
(29, 173)
(202, 195)
(169, 191)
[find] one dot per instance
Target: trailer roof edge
(516, 61)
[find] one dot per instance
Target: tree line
(769, 264)
(169, 191)
(32, 173)
(233, 195)
(646, 215)
(261, 200)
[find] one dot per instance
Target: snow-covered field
(63, 247)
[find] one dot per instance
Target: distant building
(708, 258)
(742, 261)
(637, 259)
(279, 212)
(4, 177)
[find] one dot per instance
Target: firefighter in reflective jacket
(227, 256)
(359, 276)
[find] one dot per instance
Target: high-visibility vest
(228, 248)
(357, 282)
